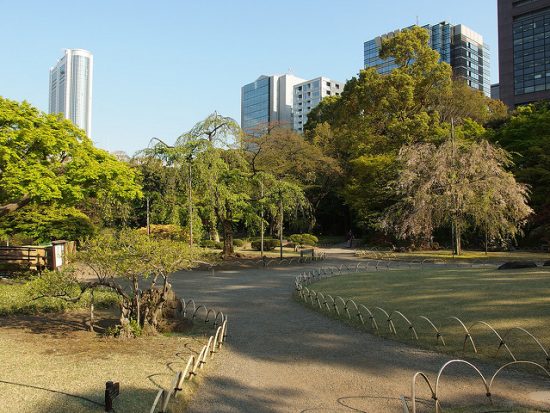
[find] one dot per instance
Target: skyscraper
(71, 88)
(524, 51)
(267, 100)
(457, 45)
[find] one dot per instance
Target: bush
(208, 243)
(269, 244)
(169, 231)
(304, 239)
(238, 243)
(219, 245)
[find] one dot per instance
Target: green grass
(16, 298)
(504, 299)
(448, 256)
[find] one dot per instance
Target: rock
(512, 265)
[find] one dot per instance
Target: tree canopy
(47, 160)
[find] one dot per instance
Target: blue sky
(161, 66)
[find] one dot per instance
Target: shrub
(269, 244)
(238, 243)
(208, 243)
(219, 245)
(304, 239)
(169, 231)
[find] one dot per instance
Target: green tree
(46, 160)
(377, 114)
(526, 135)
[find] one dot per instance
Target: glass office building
(71, 88)
(268, 101)
(255, 98)
(458, 46)
(524, 51)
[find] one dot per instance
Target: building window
(328, 84)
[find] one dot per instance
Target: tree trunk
(458, 242)
(92, 310)
(227, 238)
(281, 228)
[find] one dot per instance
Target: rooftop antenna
(417, 23)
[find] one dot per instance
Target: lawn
(504, 299)
(48, 356)
(446, 255)
(55, 355)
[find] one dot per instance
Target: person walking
(350, 239)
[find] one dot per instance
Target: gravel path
(283, 357)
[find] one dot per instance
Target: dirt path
(282, 357)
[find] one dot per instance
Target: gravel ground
(282, 357)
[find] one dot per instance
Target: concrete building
(309, 94)
(71, 88)
(266, 101)
(524, 51)
(457, 45)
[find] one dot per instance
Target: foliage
(45, 223)
(365, 127)
(167, 231)
(286, 156)
(30, 297)
(304, 239)
(128, 258)
(457, 182)
(269, 244)
(208, 243)
(47, 161)
(526, 135)
(238, 242)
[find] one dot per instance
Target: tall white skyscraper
(71, 87)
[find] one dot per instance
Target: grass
(16, 298)
(504, 299)
(447, 255)
(60, 360)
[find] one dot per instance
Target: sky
(161, 66)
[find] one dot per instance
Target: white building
(71, 88)
(268, 100)
(309, 94)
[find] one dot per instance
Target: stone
(512, 265)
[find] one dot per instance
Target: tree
(526, 135)
(122, 262)
(287, 156)
(457, 182)
(47, 160)
(365, 127)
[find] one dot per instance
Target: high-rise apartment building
(524, 51)
(268, 100)
(309, 94)
(71, 88)
(457, 45)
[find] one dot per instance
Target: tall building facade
(309, 94)
(524, 51)
(457, 45)
(268, 100)
(71, 88)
